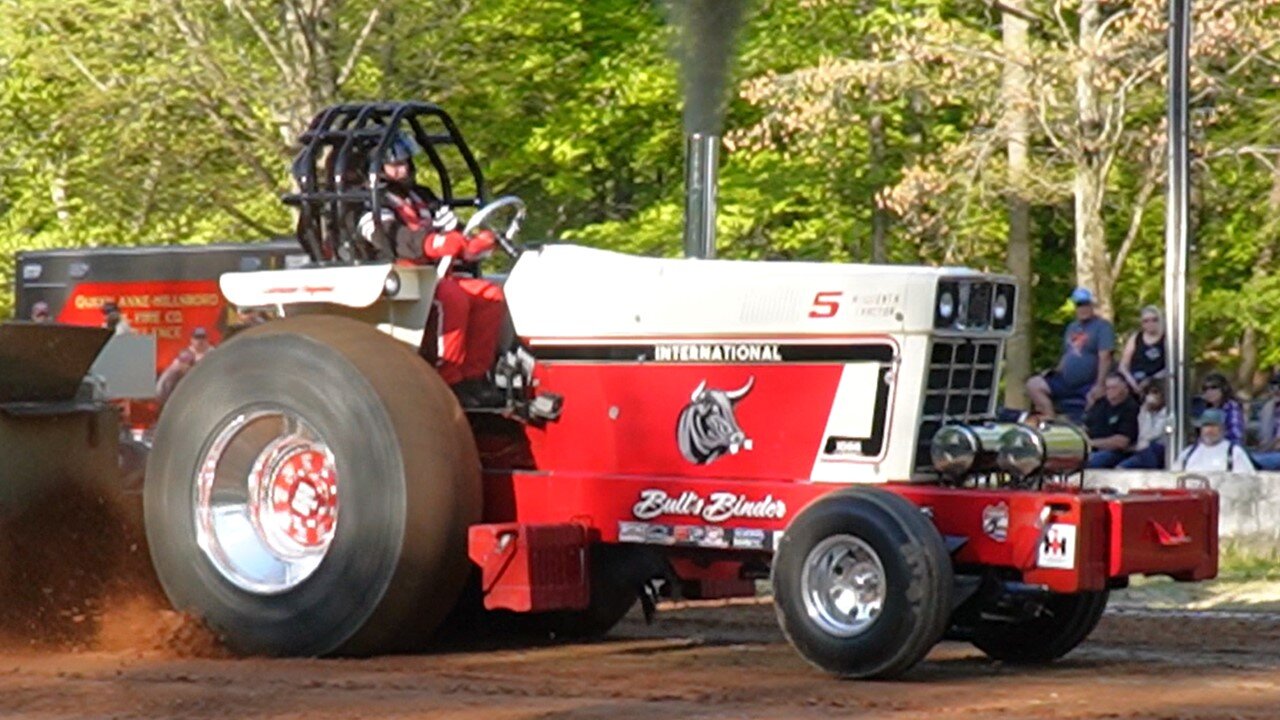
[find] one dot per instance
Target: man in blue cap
(1087, 348)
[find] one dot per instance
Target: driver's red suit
(469, 310)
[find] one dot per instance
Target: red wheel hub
(303, 499)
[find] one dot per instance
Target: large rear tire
(372, 556)
(1064, 622)
(862, 584)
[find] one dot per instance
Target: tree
(1016, 103)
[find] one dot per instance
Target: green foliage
(161, 121)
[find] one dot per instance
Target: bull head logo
(707, 428)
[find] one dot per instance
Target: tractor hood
(566, 292)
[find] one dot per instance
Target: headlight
(1051, 448)
(957, 450)
(954, 450)
(391, 286)
(1000, 308)
(946, 305)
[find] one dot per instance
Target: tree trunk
(58, 194)
(1016, 102)
(879, 218)
(1093, 269)
(1248, 376)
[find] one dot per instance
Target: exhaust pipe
(701, 170)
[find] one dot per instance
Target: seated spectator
(1112, 424)
(1153, 425)
(1267, 455)
(1087, 347)
(1143, 357)
(1217, 394)
(40, 312)
(1212, 451)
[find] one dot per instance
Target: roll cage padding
(336, 171)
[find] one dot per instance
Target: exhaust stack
(708, 31)
(701, 171)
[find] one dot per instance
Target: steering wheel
(484, 218)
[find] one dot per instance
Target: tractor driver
(422, 229)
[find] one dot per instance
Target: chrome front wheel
(843, 585)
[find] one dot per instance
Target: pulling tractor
(680, 426)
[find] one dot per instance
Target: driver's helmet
(402, 149)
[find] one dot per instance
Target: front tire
(309, 491)
(1063, 623)
(862, 584)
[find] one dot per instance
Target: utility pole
(1176, 224)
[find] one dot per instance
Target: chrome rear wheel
(266, 500)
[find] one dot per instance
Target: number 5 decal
(825, 305)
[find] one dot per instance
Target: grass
(1248, 561)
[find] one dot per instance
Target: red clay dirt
(85, 632)
(695, 661)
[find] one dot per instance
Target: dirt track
(693, 662)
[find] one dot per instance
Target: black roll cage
(331, 196)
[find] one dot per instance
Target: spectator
(1153, 425)
(200, 345)
(249, 317)
(1143, 357)
(1087, 347)
(1217, 394)
(113, 320)
(40, 312)
(1112, 424)
(1213, 451)
(1267, 456)
(173, 374)
(246, 318)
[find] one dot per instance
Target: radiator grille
(977, 311)
(960, 385)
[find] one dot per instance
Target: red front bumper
(1071, 541)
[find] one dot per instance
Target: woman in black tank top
(1144, 354)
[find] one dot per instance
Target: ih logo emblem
(1058, 548)
(707, 427)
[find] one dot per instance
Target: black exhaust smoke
(707, 32)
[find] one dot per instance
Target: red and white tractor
(675, 426)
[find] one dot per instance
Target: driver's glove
(480, 246)
(444, 220)
(367, 226)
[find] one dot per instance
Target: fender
(355, 286)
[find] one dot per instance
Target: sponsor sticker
(704, 536)
(995, 521)
(689, 534)
(659, 535)
(750, 539)
(632, 532)
(1058, 548)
